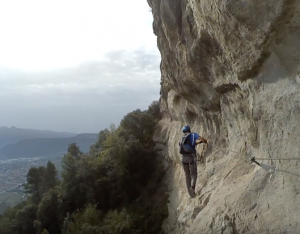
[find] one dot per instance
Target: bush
(86, 221)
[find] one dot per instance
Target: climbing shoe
(192, 192)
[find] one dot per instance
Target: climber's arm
(201, 140)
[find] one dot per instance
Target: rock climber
(189, 159)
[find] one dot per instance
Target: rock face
(230, 69)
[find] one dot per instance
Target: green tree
(51, 210)
(34, 185)
(50, 177)
(23, 222)
(139, 125)
(118, 223)
(74, 150)
(87, 221)
(78, 182)
(154, 110)
(45, 232)
(101, 138)
(69, 182)
(4, 225)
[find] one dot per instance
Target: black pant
(189, 163)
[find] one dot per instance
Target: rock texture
(230, 69)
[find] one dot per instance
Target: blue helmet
(186, 128)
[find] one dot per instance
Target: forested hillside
(111, 189)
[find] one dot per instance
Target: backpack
(186, 145)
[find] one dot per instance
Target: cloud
(86, 98)
(39, 35)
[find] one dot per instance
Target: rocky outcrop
(230, 69)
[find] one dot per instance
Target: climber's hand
(202, 140)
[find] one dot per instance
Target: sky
(75, 66)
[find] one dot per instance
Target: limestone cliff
(230, 69)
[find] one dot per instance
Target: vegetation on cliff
(111, 189)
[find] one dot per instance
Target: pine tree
(50, 177)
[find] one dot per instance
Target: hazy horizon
(76, 66)
(9, 127)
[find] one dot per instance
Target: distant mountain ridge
(44, 147)
(10, 135)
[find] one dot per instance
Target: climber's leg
(187, 174)
(193, 173)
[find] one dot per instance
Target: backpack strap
(184, 138)
(193, 138)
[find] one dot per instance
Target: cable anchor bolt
(253, 160)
